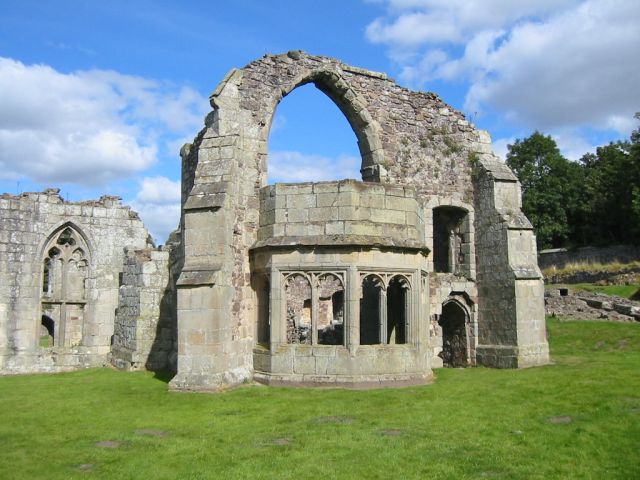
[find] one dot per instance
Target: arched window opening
(454, 335)
(47, 332)
(64, 287)
(261, 287)
(298, 305)
(330, 322)
(46, 277)
(450, 240)
(311, 140)
(397, 310)
(371, 310)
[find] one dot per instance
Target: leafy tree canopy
(594, 201)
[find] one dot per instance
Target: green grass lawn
(578, 418)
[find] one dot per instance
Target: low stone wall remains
(561, 257)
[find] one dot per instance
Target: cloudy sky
(97, 97)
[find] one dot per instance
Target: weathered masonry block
(293, 283)
(144, 334)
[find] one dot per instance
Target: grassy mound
(578, 418)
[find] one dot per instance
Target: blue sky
(97, 97)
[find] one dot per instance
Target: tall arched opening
(65, 271)
(311, 140)
(455, 337)
(340, 93)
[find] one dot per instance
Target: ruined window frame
(68, 245)
(314, 276)
(385, 278)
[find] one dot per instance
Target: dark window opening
(66, 237)
(46, 276)
(449, 238)
(454, 335)
(264, 328)
(370, 311)
(47, 332)
(397, 297)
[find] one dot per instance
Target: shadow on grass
(164, 376)
(635, 296)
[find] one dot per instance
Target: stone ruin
(427, 262)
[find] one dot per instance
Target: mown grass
(578, 418)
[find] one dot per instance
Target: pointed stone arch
(455, 324)
(353, 107)
(66, 263)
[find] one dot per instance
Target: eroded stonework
(59, 279)
(426, 262)
(435, 230)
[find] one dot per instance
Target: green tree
(613, 186)
(552, 189)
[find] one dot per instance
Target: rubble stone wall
(144, 336)
(28, 223)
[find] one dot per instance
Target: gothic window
(330, 321)
(371, 303)
(64, 283)
(397, 310)
(298, 304)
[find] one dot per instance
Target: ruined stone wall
(511, 325)
(404, 137)
(28, 223)
(560, 257)
(145, 327)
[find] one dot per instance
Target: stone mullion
(352, 309)
(277, 310)
(382, 299)
(408, 315)
(314, 309)
(62, 330)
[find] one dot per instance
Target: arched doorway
(47, 332)
(455, 338)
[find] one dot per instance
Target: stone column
(352, 309)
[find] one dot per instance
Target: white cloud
(552, 65)
(158, 203)
(87, 127)
(572, 144)
(412, 23)
(574, 69)
(287, 166)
